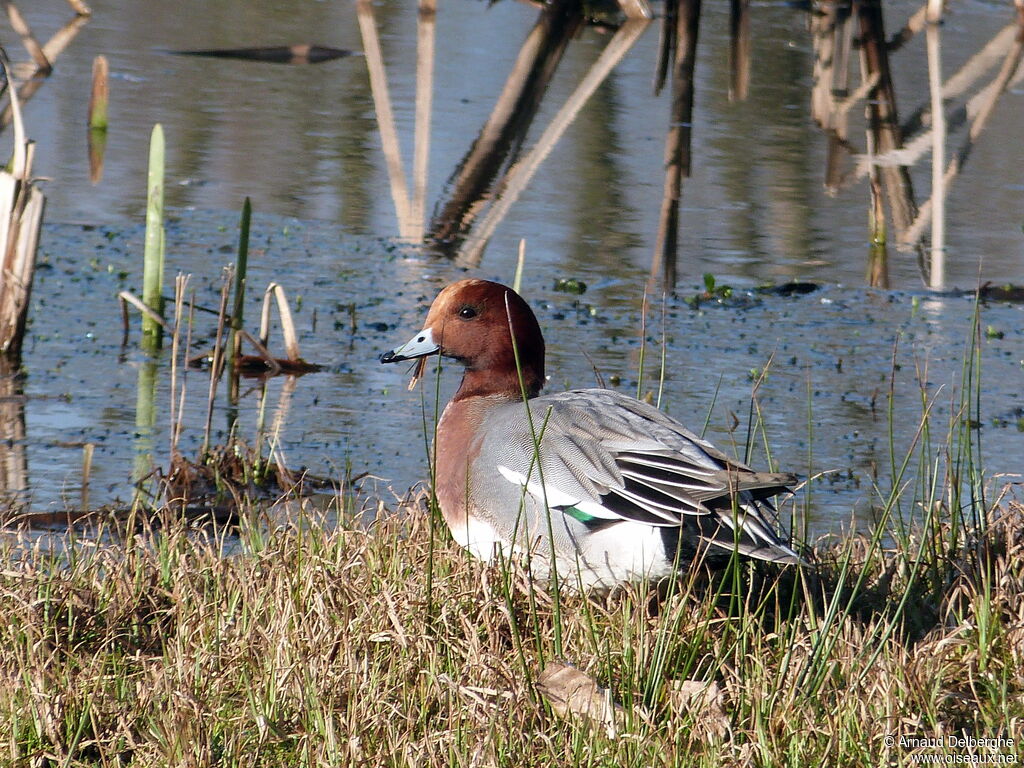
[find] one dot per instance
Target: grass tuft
(307, 645)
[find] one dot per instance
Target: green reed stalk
(100, 94)
(435, 507)
(153, 263)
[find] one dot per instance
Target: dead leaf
(569, 690)
(705, 702)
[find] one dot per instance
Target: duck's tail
(749, 526)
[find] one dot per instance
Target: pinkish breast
(459, 437)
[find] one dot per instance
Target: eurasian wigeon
(620, 492)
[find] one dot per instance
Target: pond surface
(303, 143)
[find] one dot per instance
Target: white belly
(623, 553)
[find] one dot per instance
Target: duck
(597, 488)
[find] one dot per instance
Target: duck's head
(484, 326)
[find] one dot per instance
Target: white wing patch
(555, 497)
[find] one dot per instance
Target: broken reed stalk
(153, 262)
(238, 309)
(983, 104)
(99, 95)
(517, 280)
(217, 360)
(291, 338)
(21, 217)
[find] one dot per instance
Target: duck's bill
(420, 345)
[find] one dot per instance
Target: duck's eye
(467, 312)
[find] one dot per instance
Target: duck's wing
(605, 457)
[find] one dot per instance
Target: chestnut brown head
(483, 325)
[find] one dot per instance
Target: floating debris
(793, 288)
(280, 54)
(570, 285)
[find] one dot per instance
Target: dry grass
(345, 645)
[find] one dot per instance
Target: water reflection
(14, 476)
(508, 83)
(43, 57)
(682, 22)
(891, 147)
(500, 140)
(492, 175)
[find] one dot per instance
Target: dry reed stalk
(284, 312)
(127, 297)
(636, 9)
(517, 279)
(62, 38)
(177, 403)
(238, 310)
(666, 45)
(21, 217)
(217, 361)
(915, 23)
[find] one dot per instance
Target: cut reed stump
(21, 217)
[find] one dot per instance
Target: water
(303, 143)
